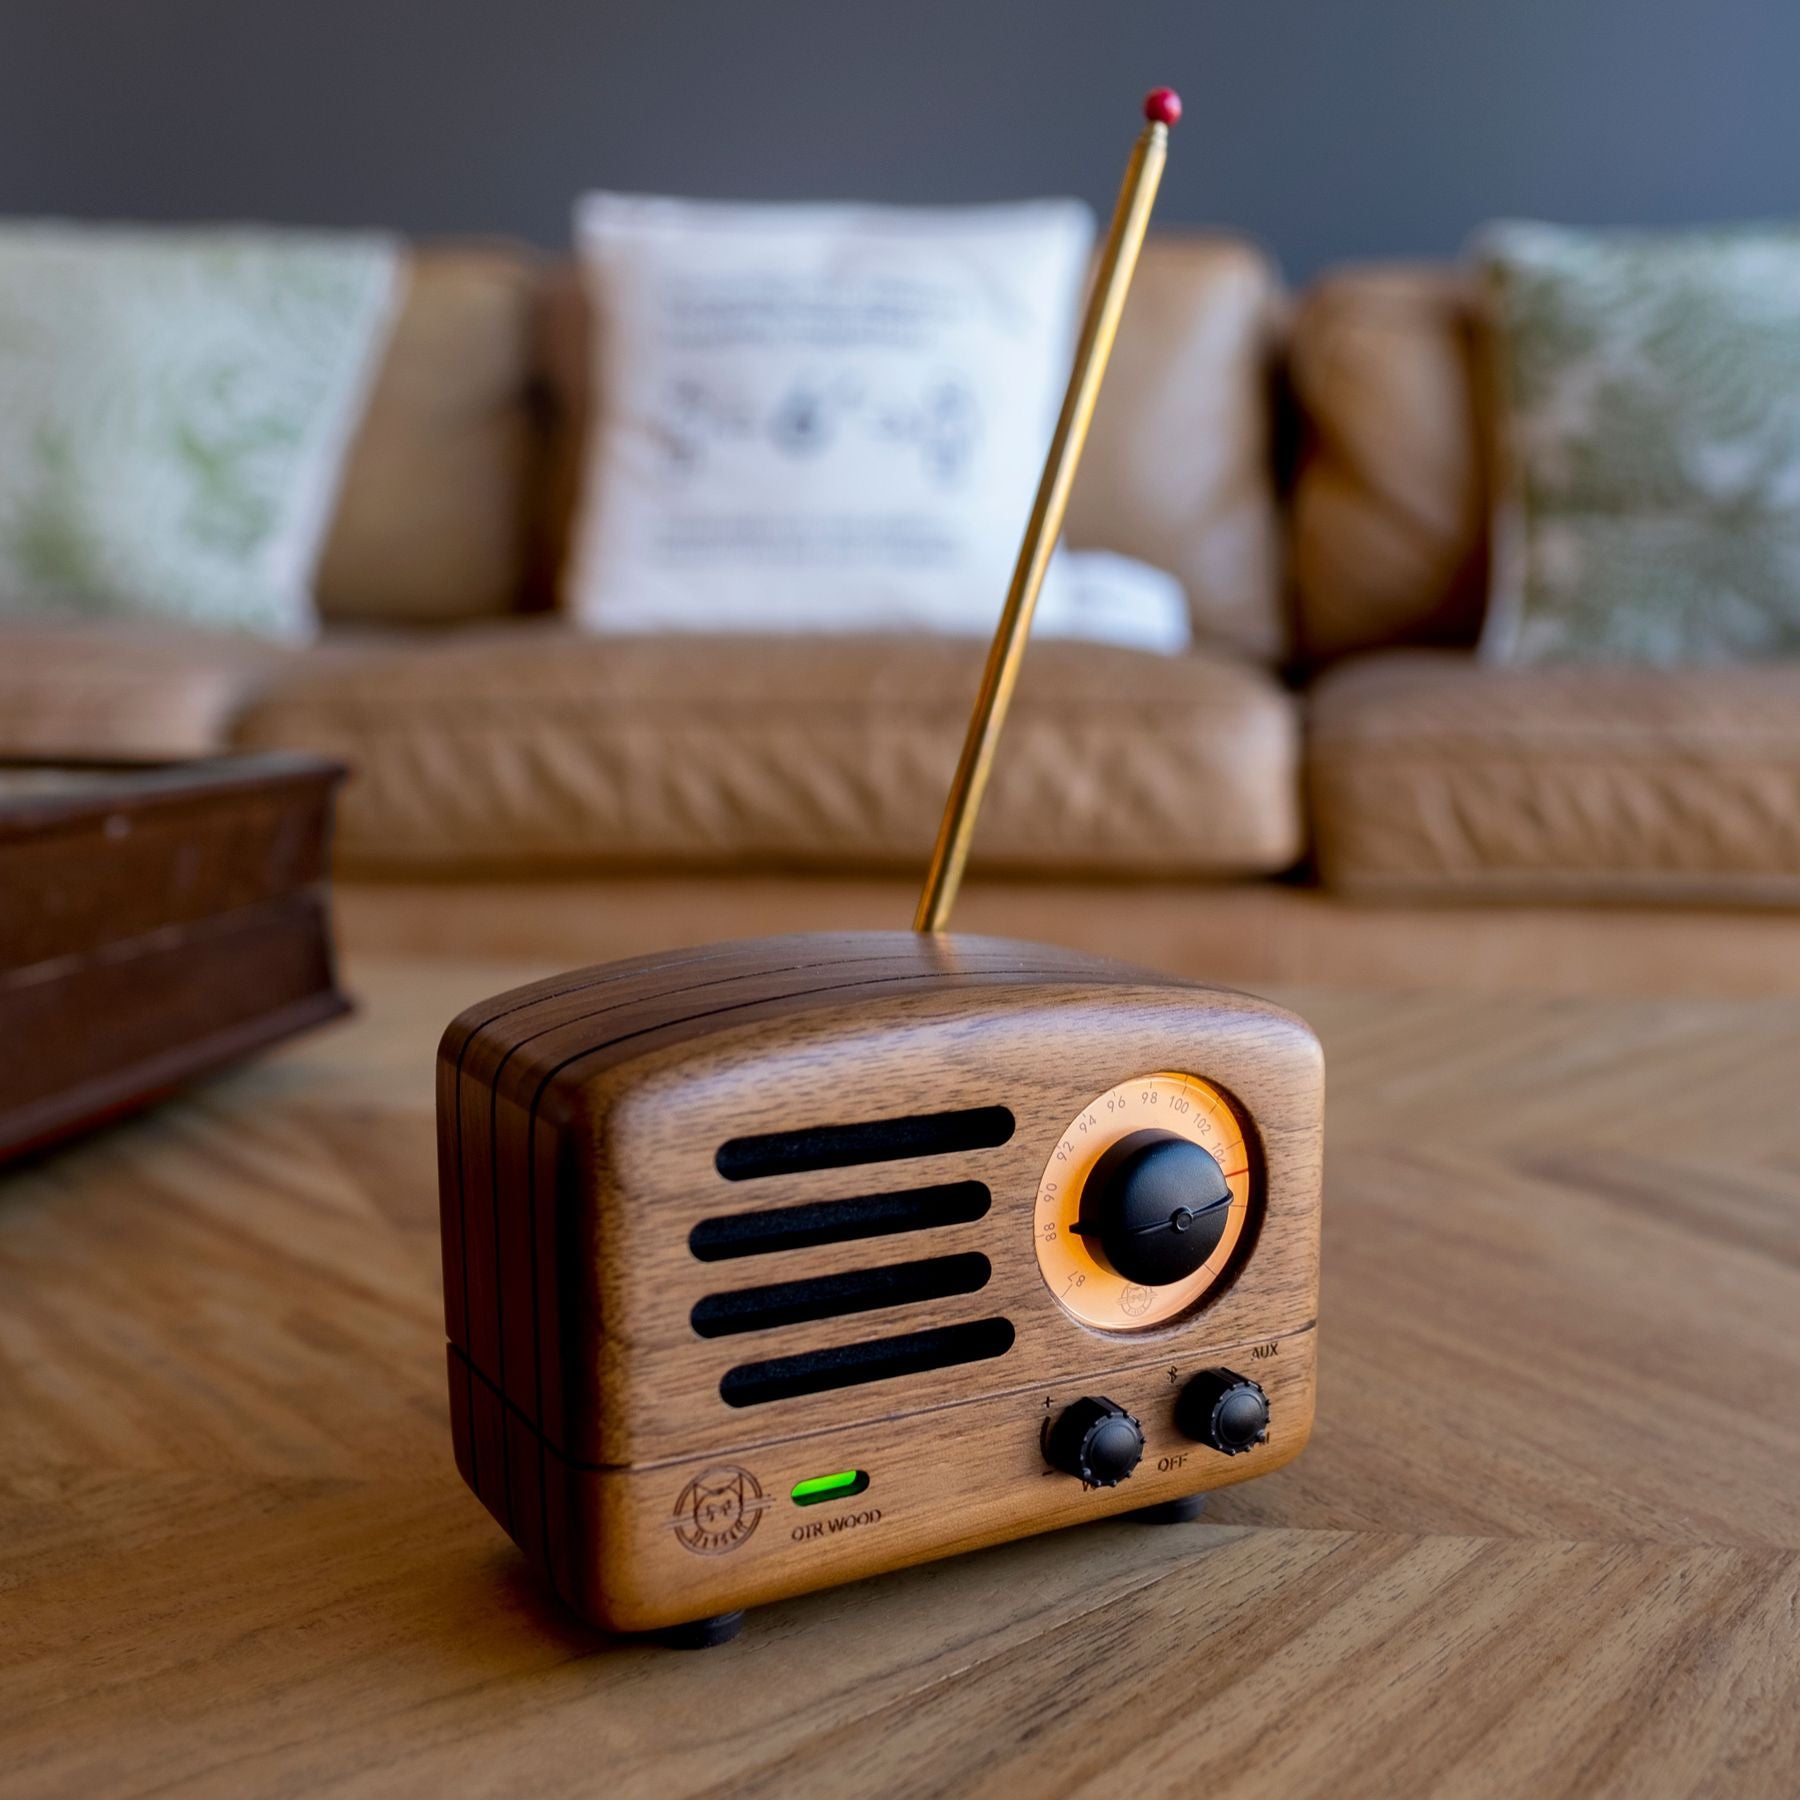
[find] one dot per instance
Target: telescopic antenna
(1112, 281)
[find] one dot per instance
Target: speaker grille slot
(838, 1221)
(829, 1296)
(877, 1140)
(877, 1359)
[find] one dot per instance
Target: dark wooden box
(156, 920)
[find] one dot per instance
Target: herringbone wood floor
(1546, 1539)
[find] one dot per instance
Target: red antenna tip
(1162, 106)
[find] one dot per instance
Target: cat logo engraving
(1134, 1301)
(718, 1510)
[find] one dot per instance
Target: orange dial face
(1072, 1266)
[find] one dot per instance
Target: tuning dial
(1095, 1441)
(1155, 1207)
(1224, 1411)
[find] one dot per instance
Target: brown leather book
(156, 921)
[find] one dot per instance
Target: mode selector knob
(1095, 1441)
(1228, 1413)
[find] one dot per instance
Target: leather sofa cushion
(433, 516)
(1434, 776)
(533, 749)
(124, 689)
(1178, 470)
(1389, 512)
(1179, 466)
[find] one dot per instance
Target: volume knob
(1095, 1441)
(1227, 1412)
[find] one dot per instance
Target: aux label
(819, 1528)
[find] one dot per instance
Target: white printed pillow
(816, 417)
(176, 407)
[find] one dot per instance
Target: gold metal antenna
(1112, 281)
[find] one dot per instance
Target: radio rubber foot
(1171, 1512)
(700, 1634)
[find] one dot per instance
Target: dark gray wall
(1328, 128)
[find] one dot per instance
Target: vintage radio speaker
(771, 1265)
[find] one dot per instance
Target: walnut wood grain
(942, 1485)
(1545, 1538)
(585, 1122)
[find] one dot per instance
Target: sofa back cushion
(1389, 514)
(1178, 470)
(433, 517)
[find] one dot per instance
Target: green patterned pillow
(1651, 392)
(175, 411)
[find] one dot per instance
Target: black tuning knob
(1154, 1207)
(1096, 1441)
(1227, 1412)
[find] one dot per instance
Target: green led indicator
(829, 1487)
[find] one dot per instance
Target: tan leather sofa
(1434, 776)
(1331, 737)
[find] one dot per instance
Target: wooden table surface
(1546, 1539)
